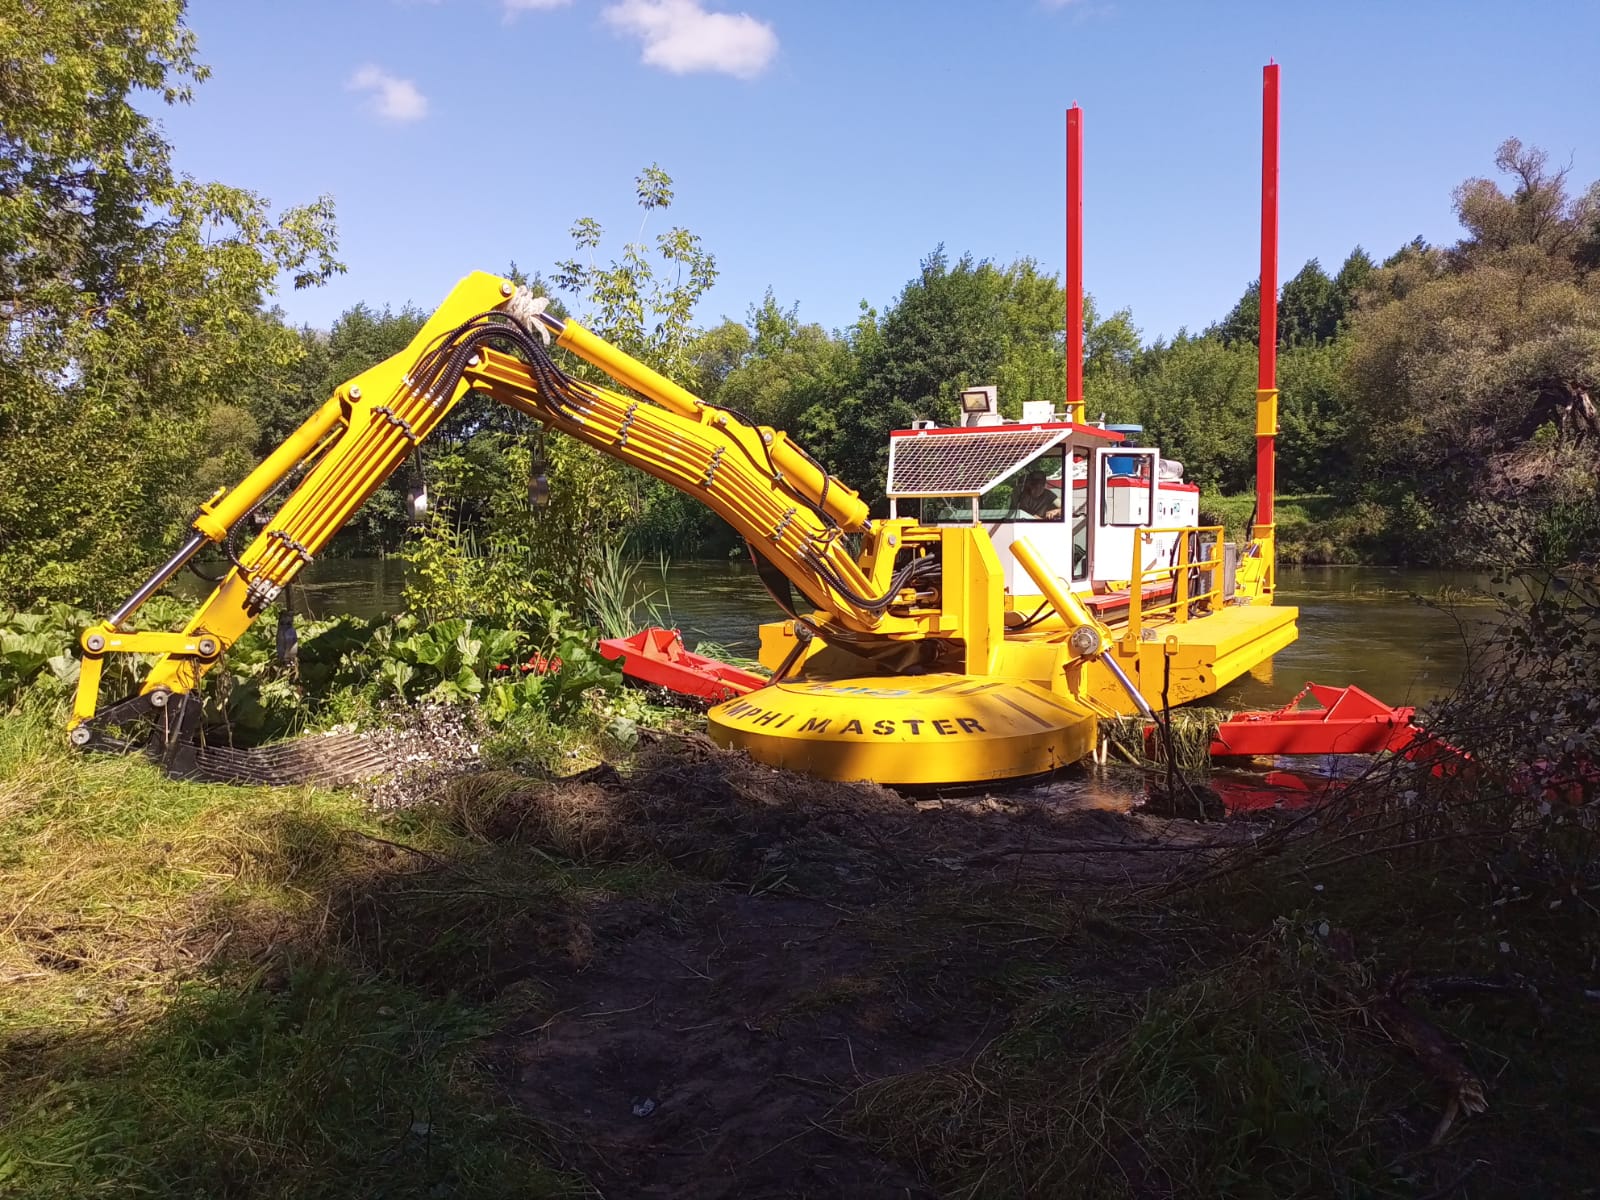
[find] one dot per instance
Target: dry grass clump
(114, 876)
(1230, 1082)
(582, 820)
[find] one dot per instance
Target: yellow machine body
(911, 668)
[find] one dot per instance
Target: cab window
(946, 510)
(1031, 493)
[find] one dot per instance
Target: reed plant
(622, 600)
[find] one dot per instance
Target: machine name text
(755, 717)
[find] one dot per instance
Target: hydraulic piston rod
(157, 581)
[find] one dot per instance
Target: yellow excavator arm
(491, 336)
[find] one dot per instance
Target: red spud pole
(1075, 411)
(1267, 357)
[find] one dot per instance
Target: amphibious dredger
(1030, 577)
(979, 636)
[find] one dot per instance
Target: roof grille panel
(963, 464)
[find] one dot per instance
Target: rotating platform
(918, 730)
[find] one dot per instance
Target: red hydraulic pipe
(1075, 410)
(1267, 361)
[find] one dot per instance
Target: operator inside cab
(1037, 499)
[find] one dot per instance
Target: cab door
(1123, 501)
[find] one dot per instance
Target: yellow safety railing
(1183, 598)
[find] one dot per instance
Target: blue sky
(824, 148)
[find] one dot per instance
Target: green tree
(1033, 342)
(1242, 325)
(1351, 281)
(1537, 217)
(953, 326)
(134, 297)
(1196, 400)
(1473, 372)
(643, 307)
(945, 332)
(790, 367)
(1111, 346)
(827, 428)
(1112, 353)
(1308, 308)
(716, 354)
(1316, 449)
(643, 302)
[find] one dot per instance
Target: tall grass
(1340, 987)
(189, 1004)
(1234, 1082)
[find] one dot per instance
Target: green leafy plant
(452, 659)
(39, 645)
(572, 667)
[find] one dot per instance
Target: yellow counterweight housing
(1010, 711)
(909, 730)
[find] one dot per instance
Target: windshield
(1030, 493)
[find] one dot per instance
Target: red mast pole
(1267, 357)
(1075, 411)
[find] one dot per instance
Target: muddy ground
(776, 944)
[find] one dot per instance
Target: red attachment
(1350, 721)
(658, 656)
(1075, 262)
(1101, 601)
(1267, 352)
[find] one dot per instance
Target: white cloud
(681, 37)
(513, 7)
(392, 98)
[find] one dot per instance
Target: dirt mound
(818, 937)
(723, 817)
(707, 1057)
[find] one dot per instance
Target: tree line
(1439, 403)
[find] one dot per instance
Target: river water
(1400, 633)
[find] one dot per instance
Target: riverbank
(1323, 530)
(682, 974)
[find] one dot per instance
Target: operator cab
(1084, 497)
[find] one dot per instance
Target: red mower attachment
(1349, 721)
(657, 656)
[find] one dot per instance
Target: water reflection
(1400, 634)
